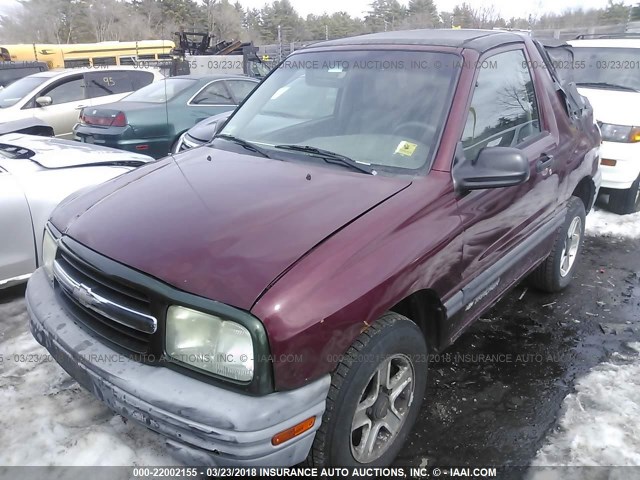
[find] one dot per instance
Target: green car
(152, 119)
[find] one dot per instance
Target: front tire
(555, 273)
(626, 201)
(375, 396)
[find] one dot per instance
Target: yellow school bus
(88, 54)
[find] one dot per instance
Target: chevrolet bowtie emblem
(84, 295)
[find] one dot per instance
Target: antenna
(166, 98)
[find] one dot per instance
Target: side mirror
(44, 101)
(495, 167)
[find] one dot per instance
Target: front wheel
(555, 273)
(626, 201)
(375, 396)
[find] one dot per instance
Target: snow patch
(599, 424)
(602, 223)
(48, 419)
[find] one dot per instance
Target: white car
(36, 173)
(607, 72)
(57, 96)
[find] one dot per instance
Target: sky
(507, 8)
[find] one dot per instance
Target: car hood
(223, 228)
(13, 126)
(614, 106)
(57, 153)
(205, 129)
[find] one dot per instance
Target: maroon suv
(271, 297)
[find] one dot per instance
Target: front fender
(315, 311)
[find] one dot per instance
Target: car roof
(606, 42)
(12, 65)
(213, 76)
(72, 71)
(480, 40)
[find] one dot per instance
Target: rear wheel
(625, 201)
(375, 396)
(556, 271)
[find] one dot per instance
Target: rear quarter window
(113, 82)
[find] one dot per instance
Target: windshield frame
(457, 59)
(28, 93)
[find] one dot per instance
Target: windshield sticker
(406, 148)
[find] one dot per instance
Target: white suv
(607, 72)
(57, 96)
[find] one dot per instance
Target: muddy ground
(498, 409)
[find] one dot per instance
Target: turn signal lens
(294, 431)
(608, 162)
(634, 136)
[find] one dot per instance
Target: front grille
(109, 309)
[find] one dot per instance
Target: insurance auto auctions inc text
(379, 472)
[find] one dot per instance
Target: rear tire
(626, 201)
(555, 273)
(379, 384)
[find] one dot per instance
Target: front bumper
(627, 167)
(597, 183)
(203, 424)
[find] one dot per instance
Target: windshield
(614, 68)
(160, 92)
(18, 90)
(382, 108)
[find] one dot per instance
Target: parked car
(31, 126)
(12, 71)
(294, 280)
(36, 173)
(298, 96)
(152, 119)
(57, 97)
(607, 71)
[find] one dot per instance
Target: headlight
(49, 248)
(619, 133)
(209, 343)
(178, 145)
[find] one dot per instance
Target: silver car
(57, 96)
(36, 173)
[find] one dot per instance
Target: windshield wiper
(606, 85)
(329, 157)
(248, 145)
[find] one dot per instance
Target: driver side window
(503, 110)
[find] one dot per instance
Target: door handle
(544, 161)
